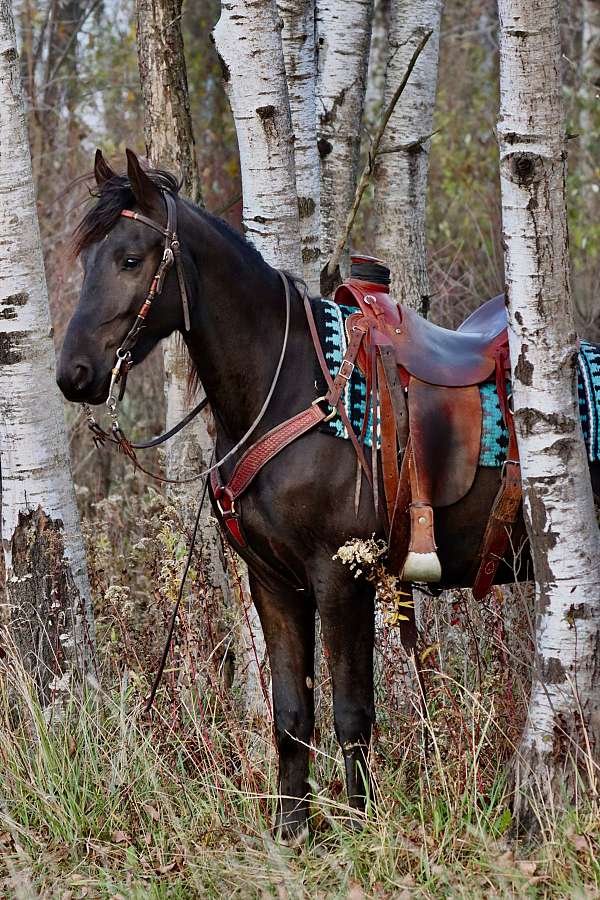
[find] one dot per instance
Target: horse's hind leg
(348, 626)
(288, 622)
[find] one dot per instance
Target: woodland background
(182, 807)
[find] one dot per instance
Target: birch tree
(561, 739)
(169, 138)
(49, 611)
(402, 167)
(249, 43)
(343, 39)
(298, 44)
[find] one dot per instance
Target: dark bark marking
(10, 55)
(524, 368)
(525, 168)
(529, 418)
(19, 299)
(266, 112)
(9, 313)
(542, 542)
(309, 253)
(553, 671)
(43, 597)
(10, 352)
(324, 147)
(306, 206)
(224, 67)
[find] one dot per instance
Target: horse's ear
(102, 170)
(145, 191)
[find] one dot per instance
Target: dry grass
(110, 803)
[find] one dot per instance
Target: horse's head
(120, 256)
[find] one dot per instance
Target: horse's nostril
(82, 375)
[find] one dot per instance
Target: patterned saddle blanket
(330, 318)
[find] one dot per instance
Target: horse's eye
(131, 262)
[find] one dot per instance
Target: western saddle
(423, 389)
(423, 399)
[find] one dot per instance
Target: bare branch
(373, 153)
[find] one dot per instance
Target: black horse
(300, 508)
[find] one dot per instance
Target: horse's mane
(113, 197)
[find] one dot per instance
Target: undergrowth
(112, 802)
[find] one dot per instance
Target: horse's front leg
(287, 617)
(346, 607)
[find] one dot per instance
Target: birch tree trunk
(248, 40)
(343, 39)
(298, 42)
(589, 129)
(170, 143)
(48, 595)
(401, 176)
(561, 739)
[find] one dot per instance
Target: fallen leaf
(120, 837)
(152, 812)
(527, 866)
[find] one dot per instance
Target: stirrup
(421, 563)
(424, 567)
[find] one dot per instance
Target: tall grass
(112, 803)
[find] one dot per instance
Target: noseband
(171, 254)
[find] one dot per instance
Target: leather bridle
(171, 254)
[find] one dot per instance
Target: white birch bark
(343, 39)
(563, 723)
(378, 59)
(401, 176)
(298, 41)
(48, 594)
(248, 40)
(587, 144)
(170, 143)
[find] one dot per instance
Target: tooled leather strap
(336, 386)
(507, 501)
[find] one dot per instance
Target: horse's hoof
(292, 836)
(423, 567)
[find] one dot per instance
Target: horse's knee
(293, 728)
(353, 724)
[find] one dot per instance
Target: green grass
(109, 803)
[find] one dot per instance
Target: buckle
(350, 369)
(220, 492)
(323, 399)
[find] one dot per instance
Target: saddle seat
(426, 351)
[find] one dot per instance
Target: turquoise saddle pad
(330, 318)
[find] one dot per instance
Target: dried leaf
(152, 812)
(120, 837)
(527, 866)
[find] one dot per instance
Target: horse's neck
(237, 334)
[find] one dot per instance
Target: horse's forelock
(112, 198)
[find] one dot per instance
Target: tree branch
(373, 153)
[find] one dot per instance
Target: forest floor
(110, 803)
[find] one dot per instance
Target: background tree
(170, 144)
(248, 40)
(563, 722)
(401, 175)
(49, 609)
(343, 41)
